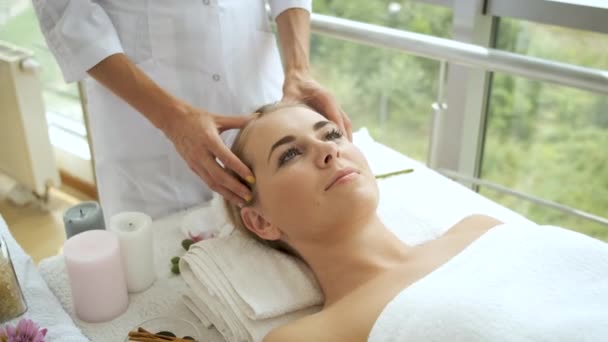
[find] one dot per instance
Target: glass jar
(12, 302)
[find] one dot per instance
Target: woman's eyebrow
(289, 138)
(284, 140)
(319, 125)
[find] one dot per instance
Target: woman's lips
(341, 176)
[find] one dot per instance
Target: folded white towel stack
(238, 284)
(241, 267)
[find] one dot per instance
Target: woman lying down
(315, 197)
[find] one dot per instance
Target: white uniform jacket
(218, 55)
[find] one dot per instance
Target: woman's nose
(328, 152)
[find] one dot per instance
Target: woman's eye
(333, 134)
(288, 155)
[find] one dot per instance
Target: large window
(19, 26)
(547, 140)
(386, 91)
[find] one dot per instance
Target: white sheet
(515, 283)
(430, 202)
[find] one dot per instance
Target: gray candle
(82, 217)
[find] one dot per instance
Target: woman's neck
(343, 264)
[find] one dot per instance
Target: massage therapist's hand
(194, 132)
(301, 87)
(196, 136)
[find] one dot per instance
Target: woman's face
(310, 178)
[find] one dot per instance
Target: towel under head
(246, 289)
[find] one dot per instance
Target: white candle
(97, 280)
(137, 248)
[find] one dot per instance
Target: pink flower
(196, 238)
(25, 331)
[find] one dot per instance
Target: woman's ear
(255, 222)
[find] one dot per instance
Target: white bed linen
(431, 202)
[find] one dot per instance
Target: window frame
(552, 12)
(445, 3)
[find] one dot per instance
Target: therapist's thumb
(232, 122)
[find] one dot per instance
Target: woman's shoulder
(462, 234)
(475, 222)
(303, 329)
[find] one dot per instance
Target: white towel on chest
(515, 283)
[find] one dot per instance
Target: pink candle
(97, 280)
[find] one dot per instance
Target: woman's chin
(354, 186)
(355, 199)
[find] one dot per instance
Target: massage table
(423, 196)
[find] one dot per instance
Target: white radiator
(26, 153)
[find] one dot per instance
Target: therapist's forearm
(128, 82)
(293, 26)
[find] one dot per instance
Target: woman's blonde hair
(238, 148)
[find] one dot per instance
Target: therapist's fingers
(348, 125)
(303, 88)
(222, 181)
(200, 170)
(232, 197)
(223, 153)
(208, 169)
(203, 162)
(223, 177)
(326, 105)
(228, 185)
(195, 135)
(231, 161)
(231, 122)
